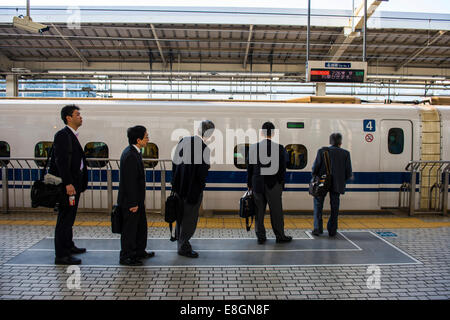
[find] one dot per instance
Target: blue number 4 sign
(369, 125)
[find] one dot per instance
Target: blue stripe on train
(396, 178)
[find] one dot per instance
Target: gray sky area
(430, 6)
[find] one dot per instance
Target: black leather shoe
(130, 262)
(189, 254)
(262, 240)
(316, 232)
(76, 250)
(67, 260)
(331, 234)
(145, 255)
(284, 239)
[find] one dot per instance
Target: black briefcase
(116, 219)
(247, 208)
(173, 211)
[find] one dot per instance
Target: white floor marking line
(349, 240)
(398, 249)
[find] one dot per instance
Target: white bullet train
(382, 139)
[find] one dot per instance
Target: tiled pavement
(426, 239)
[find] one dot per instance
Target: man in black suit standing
(131, 199)
(190, 167)
(341, 171)
(69, 163)
(266, 177)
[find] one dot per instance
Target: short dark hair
(68, 111)
(207, 128)
(268, 128)
(336, 139)
(136, 132)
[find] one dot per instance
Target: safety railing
(403, 195)
(19, 174)
(434, 179)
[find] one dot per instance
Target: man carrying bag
(335, 161)
(69, 163)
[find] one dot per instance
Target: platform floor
(413, 256)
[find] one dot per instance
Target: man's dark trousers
(186, 228)
(134, 233)
(332, 224)
(63, 231)
(273, 198)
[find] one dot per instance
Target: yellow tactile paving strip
(290, 223)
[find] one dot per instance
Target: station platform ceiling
(214, 40)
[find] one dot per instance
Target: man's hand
(134, 209)
(70, 190)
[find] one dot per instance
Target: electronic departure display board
(337, 75)
(336, 71)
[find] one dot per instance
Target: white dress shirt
(138, 150)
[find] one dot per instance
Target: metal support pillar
(321, 89)
(12, 85)
(365, 33)
(412, 198)
(5, 208)
(445, 193)
(110, 189)
(163, 190)
(308, 33)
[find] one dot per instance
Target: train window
(395, 140)
(297, 156)
(241, 155)
(150, 151)
(5, 152)
(41, 150)
(96, 150)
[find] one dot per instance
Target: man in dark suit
(266, 177)
(341, 171)
(131, 199)
(190, 167)
(69, 163)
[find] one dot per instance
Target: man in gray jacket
(341, 171)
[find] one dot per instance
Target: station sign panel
(335, 71)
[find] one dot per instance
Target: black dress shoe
(76, 250)
(262, 240)
(316, 232)
(331, 234)
(67, 260)
(189, 254)
(284, 239)
(130, 262)
(145, 255)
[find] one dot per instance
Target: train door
(395, 153)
